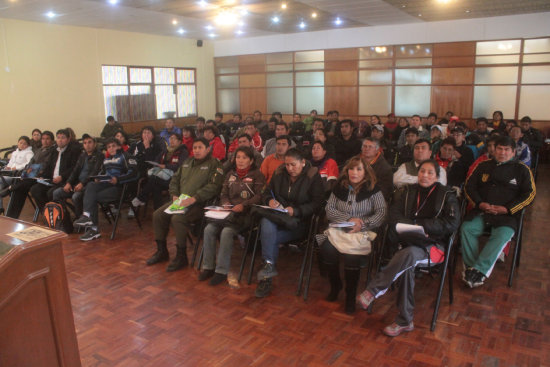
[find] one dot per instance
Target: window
(138, 93)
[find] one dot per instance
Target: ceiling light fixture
(314, 15)
(302, 25)
(209, 27)
(203, 3)
(380, 50)
(113, 2)
(444, 1)
(419, 15)
(227, 17)
(211, 35)
(275, 19)
(244, 12)
(50, 14)
(181, 31)
(338, 21)
(403, 6)
(240, 24)
(174, 22)
(283, 6)
(467, 11)
(239, 32)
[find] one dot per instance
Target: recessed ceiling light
(444, 1)
(203, 3)
(419, 15)
(209, 27)
(211, 35)
(181, 31)
(239, 32)
(403, 6)
(174, 22)
(50, 14)
(244, 12)
(338, 21)
(302, 25)
(283, 6)
(275, 19)
(113, 2)
(468, 10)
(314, 15)
(241, 24)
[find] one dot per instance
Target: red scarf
(242, 172)
(442, 162)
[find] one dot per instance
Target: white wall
(516, 26)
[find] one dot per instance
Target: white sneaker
(501, 257)
(131, 213)
(136, 202)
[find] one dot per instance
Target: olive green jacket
(201, 179)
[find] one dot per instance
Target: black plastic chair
(124, 198)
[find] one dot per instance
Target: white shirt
(56, 169)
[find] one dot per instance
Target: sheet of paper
(32, 233)
(276, 209)
(218, 208)
(216, 214)
(341, 224)
(176, 207)
(152, 163)
(409, 228)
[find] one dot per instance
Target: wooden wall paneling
(253, 99)
(340, 78)
(452, 76)
(341, 65)
(453, 61)
(454, 98)
(343, 99)
(252, 64)
(252, 80)
(454, 49)
(342, 54)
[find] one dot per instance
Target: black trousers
(18, 196)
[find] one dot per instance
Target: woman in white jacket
(19, 159)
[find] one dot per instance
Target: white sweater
(20, 158)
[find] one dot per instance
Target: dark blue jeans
(272, 235)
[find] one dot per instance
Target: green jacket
(201, 179)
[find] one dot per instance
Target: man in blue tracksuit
(121, 168)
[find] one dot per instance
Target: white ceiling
(156, 16)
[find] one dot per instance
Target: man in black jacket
(346, 145)
(499, 189)
(533, 137)
(88, 164)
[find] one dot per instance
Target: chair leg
(197, 243)
(517, 250)
(247, 248)
(255, 248)
(442, 283)
(303, 268)
(310, 266)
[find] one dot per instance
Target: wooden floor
(128, 314)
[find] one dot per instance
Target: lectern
(36, 319)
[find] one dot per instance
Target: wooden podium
(36, 319)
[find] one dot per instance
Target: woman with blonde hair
(355, 199)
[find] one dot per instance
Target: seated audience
(416, 122)
(281, 129)
(356, 198)
(19, 159)
(383, 172)
(242, 187)
(533, 137)
(407, 173)
(234, 125)
(120, 167)
(244, 141)
(346, 145)
(169, 128)
(216, 146)
(297, 187)
(187, 138)
(402, 125)
(498, 122)
(328, 169)
(110, 129)
(250, 129)
(431, 120)
(268, 132)
(147, 149)
(454, 167)
(308, 121)
(462, 152)
(36, 139)
(405, 153)
(482, 130)
(498, 189)
(89, 163)
(158, 179)
(390, 125)
(435, 208)
(523, 153)
(58, 168)
(199, 177)
(489, 154)
(297, 127)
(436, 137)
(273, 161)
(123, 140)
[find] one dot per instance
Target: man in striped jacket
(498, 189)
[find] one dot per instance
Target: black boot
(352, 277)
(180, 261)
(333, 272)
(161, 255)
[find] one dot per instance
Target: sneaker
(395, 329)
(90, 234)
(206, 274)
(136, 202)
(365, 299)
(83, 221)
(466, 275)
(217, 279)
(267, 271)
(477, 279)
(264, 288)
(131, 213)
(501, 257)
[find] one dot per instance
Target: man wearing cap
(407, 173)
(416, 122)
(88, 164)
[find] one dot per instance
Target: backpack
(58, 217)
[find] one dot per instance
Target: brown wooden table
(36, 319)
